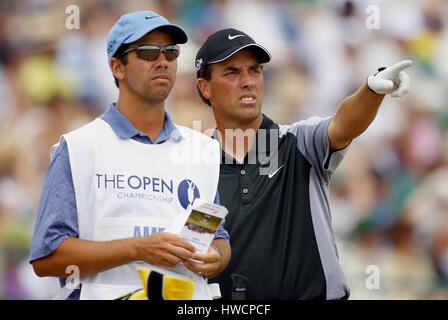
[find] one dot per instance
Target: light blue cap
(132, 26)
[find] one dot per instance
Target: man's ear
(203, 87)
(117, 68)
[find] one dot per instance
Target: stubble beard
(156, 95)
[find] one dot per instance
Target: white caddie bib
(125, 189)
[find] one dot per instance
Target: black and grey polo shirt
(279, 223)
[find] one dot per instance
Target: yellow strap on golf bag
(159, 286)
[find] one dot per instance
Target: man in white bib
(117, 186)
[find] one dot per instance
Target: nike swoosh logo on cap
(273, 173)
(235, 36)
(146, 17)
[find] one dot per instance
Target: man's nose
(161, 61)
(247, 80)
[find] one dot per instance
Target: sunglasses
(151, 52)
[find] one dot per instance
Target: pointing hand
(391, 80)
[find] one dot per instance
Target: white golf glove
(391, 80)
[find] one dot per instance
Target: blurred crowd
(390, 194)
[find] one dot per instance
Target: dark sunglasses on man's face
(151, 52)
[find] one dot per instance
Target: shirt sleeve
(221, 233)
(313, 143)
(56, 217)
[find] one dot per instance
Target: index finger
(179, 241)
(400, 66)
(206, 257)
(184, 244)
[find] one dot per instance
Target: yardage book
(202, 223)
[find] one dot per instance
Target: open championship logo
(187, 193)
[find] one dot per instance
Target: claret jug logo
(187, 193)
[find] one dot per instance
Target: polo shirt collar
(267, 127)
(125, 130)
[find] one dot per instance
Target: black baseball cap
(222, 44)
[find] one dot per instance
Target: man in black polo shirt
(275, 178)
